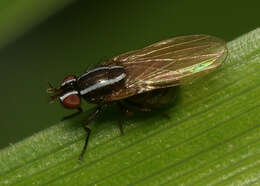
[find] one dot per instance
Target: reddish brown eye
(68, 79)
(71, 100)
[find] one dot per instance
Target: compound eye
(68, 79)
(71, 100)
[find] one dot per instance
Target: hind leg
(146, 102)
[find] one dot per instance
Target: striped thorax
(93, 85)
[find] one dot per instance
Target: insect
(145, 78)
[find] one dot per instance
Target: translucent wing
(170, 62)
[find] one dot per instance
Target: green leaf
(213, 137)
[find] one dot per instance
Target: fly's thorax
(100, 82)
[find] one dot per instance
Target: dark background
(91, 31)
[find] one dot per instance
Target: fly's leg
(126, 111)
(120, 125)
(88, 131)
(72, 115)
(146, 102)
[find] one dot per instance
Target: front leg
(88, 131)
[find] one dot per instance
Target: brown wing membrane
(169, 63)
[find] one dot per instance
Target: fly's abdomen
(97, 84)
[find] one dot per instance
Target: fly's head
(67, 93)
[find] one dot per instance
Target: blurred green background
(53, 40)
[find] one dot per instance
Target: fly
(144, 78)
